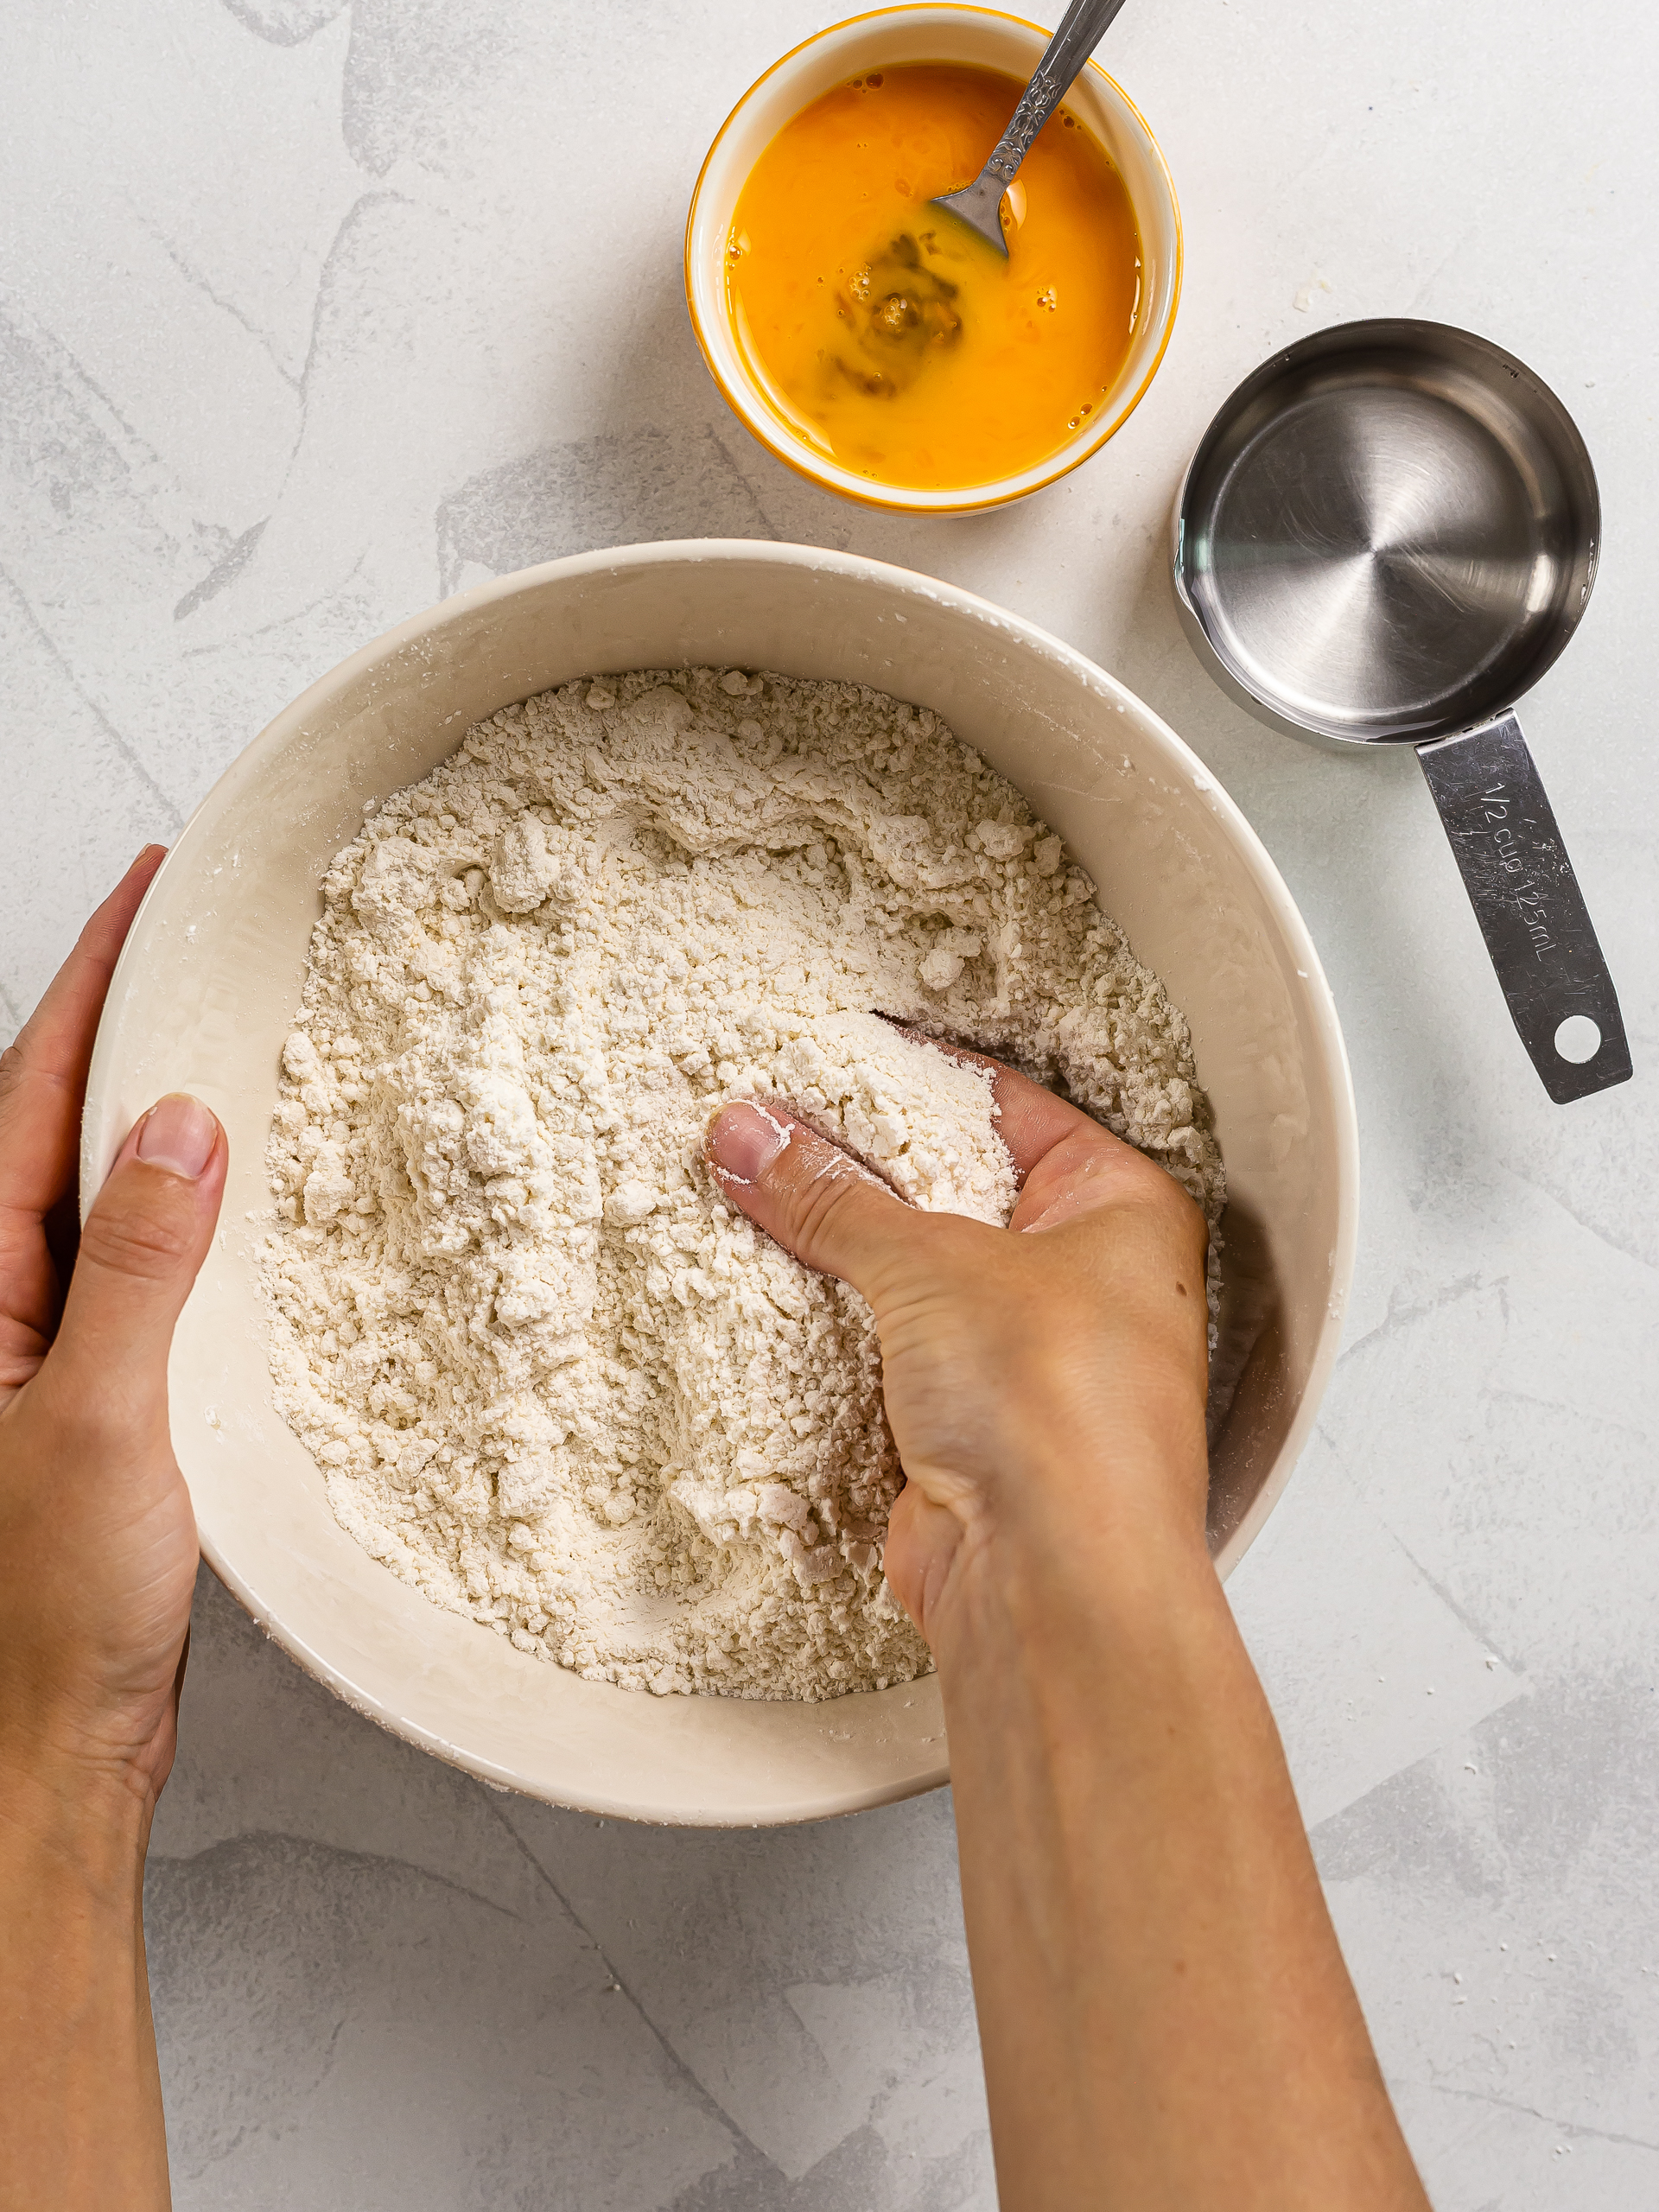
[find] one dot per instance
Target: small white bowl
(206, 990)
(886, 40)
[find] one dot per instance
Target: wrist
(77, 2046)
(69, 1825)
(1064, 1560)
(82, 1748)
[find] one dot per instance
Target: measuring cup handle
(1527, 902)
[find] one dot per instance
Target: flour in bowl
(551, 1379)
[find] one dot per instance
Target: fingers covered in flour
(1030, 1120)
(1067, 1164)
(817, 1200)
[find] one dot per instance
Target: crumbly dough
(552, 1380)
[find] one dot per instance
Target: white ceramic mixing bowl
(211, 978)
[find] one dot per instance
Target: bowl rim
(1326, 1034)
(955, 499)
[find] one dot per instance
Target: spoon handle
(1082, 28)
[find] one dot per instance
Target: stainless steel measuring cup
(1385, 537)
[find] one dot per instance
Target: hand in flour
(1050, 1369)
(97, 1562)
(1164, 2010)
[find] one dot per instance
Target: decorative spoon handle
(979, 204)
(1082, 28)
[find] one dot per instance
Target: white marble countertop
(313, 310)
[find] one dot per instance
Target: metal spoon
(978, 204)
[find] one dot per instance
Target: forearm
(84, 2130)
(1166, 2017)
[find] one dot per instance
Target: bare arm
(98, 1559)
(1166, 2017)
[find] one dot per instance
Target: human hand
(97, 1542)
(1165, 2017)
(1045, 1382)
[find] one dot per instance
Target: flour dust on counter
(552, 1380)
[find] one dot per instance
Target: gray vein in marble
(224, 571)
(226, 306)
(1430, 1581)
(1401, 1316)
(13, 590)
(1624, 1246)
(1549, 2118)
(621, 1986)
(285, 22)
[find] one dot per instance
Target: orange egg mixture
(885, 332)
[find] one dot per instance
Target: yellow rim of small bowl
(795, 458)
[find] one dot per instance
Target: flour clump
(551, 1378)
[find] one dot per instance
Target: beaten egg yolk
(884, 332)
